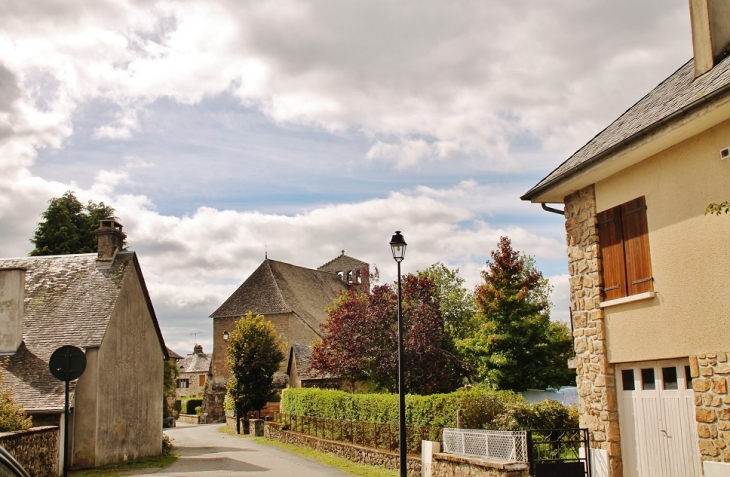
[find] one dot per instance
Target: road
(206, 452)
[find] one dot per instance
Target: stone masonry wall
(597, 404)
(710, 373)
(36, 449)
(450, 465)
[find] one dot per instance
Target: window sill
(627, 299)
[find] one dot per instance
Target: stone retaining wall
(189, 418)
(451, 465)
(36, 449)
(354, 453)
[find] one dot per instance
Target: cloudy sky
(222, 129)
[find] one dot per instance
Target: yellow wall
(690, 252)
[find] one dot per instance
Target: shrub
(198, 410)
(12, 415)
(178, 405)
(481, 409)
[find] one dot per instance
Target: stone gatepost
(597, 404)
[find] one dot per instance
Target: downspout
(550, 209)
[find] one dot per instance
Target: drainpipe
(550, 209)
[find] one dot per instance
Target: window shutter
(636, 246)
(610, 240)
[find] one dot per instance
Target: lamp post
(398, 247)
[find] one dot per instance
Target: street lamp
(398, 247)
(225, 336)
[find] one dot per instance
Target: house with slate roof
(648, 269)
(100, 304)
(293, 298)
(193, 373)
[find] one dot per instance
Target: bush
(12, 415)
(178, 405)
(166, 444)
(198, 410)
(481, 409)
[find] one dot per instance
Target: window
(647, 379)
(623, 235)
(201, 380)
(627, 377)
(183, 383)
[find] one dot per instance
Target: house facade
(100, 304)
(648, 270)
(193, 373)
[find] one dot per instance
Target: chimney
(198, 349)
(710, 32)
(12, 294)
(110, 238)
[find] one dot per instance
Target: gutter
(683, 111)
(551, 209)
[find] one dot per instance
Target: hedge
(188, 405)
(481, 409)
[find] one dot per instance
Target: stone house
(193, 373)
(99, 303)
(298, 374)
(647, 269)
(293, 298)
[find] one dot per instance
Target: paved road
(206, 452)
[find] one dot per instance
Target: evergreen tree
(516, 346)
(68, 226)
(253, 355)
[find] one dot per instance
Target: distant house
(293, 298)
(99, 303)
(298, 374)
(193, 373)
(649, 271)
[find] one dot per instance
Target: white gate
(657, 419)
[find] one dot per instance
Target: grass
(327, 459)
(113, 470)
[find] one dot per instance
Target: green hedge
(188, 405)
(481, 409)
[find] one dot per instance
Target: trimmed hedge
(188, 405)
(481, 409)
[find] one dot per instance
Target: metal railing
(509, 446)
(375, 435)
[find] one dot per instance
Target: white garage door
(657, 419)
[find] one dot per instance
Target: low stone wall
(354, 453)
(450, 465)
(189, 418)
(36, 449)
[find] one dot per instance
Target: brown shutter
(636, 246)
(610, 240)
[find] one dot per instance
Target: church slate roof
(675, 97)
(278, 287)
(68, 301)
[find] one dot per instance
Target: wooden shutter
(610, 239)
(636, 247)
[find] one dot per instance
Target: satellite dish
(67, 363)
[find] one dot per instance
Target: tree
(169, 386)
(516, 346)
(456, 301)
(360, 340)
(12, 415)
(68, 226)
(253, 355)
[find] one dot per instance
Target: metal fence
(509, 446)
(367, 434)
(559, 452)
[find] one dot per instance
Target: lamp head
(398, 246)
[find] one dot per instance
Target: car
(9, 467)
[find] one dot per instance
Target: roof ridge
(276, 282)
(338, 257)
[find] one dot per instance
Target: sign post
(67, 363)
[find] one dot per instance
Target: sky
(222, 131)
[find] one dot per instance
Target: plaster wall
(130, 360)
(689, 252)
(86, 398)
(12, 290)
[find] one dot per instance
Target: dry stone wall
(710, 373)
(36, 449)
(598, 406)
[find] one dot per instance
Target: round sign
(67, 363)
